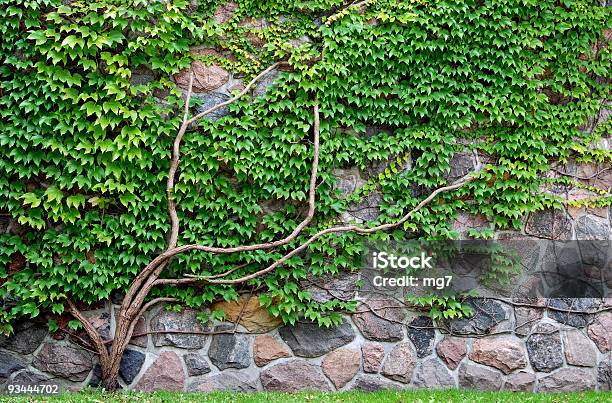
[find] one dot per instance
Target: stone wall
(531, 346)
(383, 345)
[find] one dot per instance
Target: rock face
(549, 224)
(96, 377)
(267, 349)
(226, 381)
(520, 382)
(370, 383)
(422, 334)
(400, 362)
(341, 286)
(488, 314)
(229, 350)
(265, 83)
(461, 164)
(568, 379)
(166, 373)
(592, 228)
(599, 331)
(131, 362)
(432, 374)
(28, 378)
(10, 363)
(451, 350)
(380, 320)
(64, 361)
(209, 100)
(373, 354)
(472, 376)
(181, 321)
(544, 348)
(525, 318)
(341, 365)
(196, 364)
(504, 353)
(101, 321)
(140, 341)
(579, 350)
(604, 374)
(575, 304)
(306, 339)
(252, 315)
(26, 338)
(293, 376)
(205, 78)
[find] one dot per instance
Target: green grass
(424, 396)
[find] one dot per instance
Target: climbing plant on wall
(87, 148)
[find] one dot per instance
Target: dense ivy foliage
(86, 146)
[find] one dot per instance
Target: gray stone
(196, 364)
(347, 180)
(26, 338)
(579, 350)
(130, 366)
(325, 288)
(64, 361)
(488, 315)
(307, 339)
(573, 304)
(141, 75)
(473, 376)
(229, 350)
(207, 101)
(432, 374)
(589, 227)
(367, 209)
(228, 381)
(10, 363)
(266, 83)
(520, 382)
(595, 253)
(421, 333)
(30, 378)
(549, 224)
(460, 165)
(568, 380)
(400, 362)
(544, 348)
(380, 320)
(292, 376)
(185, 321)
(96, 377)
(372, 383)
(604, 374)
(525, 319)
